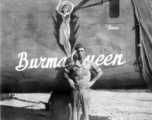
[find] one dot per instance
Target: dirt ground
(104, 105)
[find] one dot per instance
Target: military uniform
(80, 73)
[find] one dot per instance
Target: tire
(61, 106)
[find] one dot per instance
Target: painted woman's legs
(64, 38)
(68, 49)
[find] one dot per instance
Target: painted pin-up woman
(65, 8)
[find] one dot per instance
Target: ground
(104, 105)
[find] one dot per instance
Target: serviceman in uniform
(78, 74)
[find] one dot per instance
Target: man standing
(78, 74)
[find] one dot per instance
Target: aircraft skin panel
(120, 79)
(32, 59)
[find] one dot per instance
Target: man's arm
(97, 76)
(70, 81)
(98, 71)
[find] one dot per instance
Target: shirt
(81, 73)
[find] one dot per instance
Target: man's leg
(75, 100)
(85, 97)
(79, 111)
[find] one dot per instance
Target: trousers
(80, 102)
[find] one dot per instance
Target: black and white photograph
(76, 60)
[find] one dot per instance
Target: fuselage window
(114, 8)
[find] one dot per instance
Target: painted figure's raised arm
(72, 6)
(59, 7)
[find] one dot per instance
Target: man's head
(80, 50)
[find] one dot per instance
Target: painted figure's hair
(64, 6)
